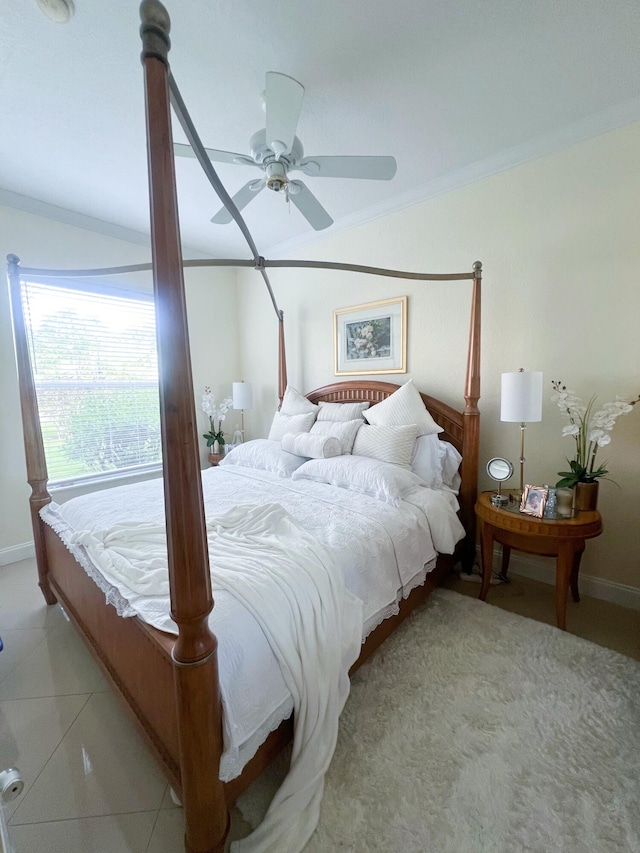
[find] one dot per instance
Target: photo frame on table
(534, 499)
(371, 338)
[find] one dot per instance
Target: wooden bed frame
(170, 685)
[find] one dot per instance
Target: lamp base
(499, 500)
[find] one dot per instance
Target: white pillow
(283, 424)
(344, 431)
(264, 454)
(426, 461)
(311, 446)
(451, 460)
(341, 411)
(404, 406)
(392, 444)
(370, 477)
(295, 403)
(436, 462)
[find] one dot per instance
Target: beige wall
(558, 238)
(559, 242)
(40, 242)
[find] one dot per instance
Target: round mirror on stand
(499, 469)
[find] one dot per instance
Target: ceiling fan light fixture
(276, 176)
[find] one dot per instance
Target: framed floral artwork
(371, 338)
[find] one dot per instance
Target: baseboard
(16, 553)
(544, 571)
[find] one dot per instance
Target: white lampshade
(521, 397)
(242, 396)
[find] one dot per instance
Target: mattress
(384, 552)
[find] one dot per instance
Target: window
(94, 357)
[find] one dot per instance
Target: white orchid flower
(589, 429)
(570, 429)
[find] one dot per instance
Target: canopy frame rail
(36, 465)
(261, 264)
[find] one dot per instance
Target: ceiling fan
(277, 151)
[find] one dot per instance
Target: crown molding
(563, 137)
(80, 220)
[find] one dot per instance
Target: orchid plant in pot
(590, 430)
(216, 415)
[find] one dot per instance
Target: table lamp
(242, 400)
(521, 402)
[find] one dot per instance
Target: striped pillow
(404, 406)
(386, 443)
(341, 411)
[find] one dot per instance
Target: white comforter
(383, 552)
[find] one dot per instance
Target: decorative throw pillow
(370, 477)
(392, 444)
(344, 431)
(295, 403)
(311, 446)
(282, 424)
(341, 411)
(263, 454)
(404, 406)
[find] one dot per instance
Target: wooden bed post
(282, 358)
(197, 691)
(33, 446)
(471, 414)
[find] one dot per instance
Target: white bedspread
(383, 553)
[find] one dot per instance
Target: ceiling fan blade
(241, 199)
(216, 156)
(283, 102)
(309, 206)
(371, 168)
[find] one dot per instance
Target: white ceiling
(454, 89)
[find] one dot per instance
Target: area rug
(474, 730)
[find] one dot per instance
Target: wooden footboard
(135, 658)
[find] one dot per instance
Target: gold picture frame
(534, 499)
(371, 338)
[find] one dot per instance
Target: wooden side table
(563, 538)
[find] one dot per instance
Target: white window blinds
(96, 373)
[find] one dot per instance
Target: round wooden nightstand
(563, 538)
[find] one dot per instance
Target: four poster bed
(170, 679)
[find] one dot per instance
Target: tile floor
(606, 624)
(90, 784)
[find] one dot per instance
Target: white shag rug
(473, 730)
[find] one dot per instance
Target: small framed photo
(533, 501)
(371, 338)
